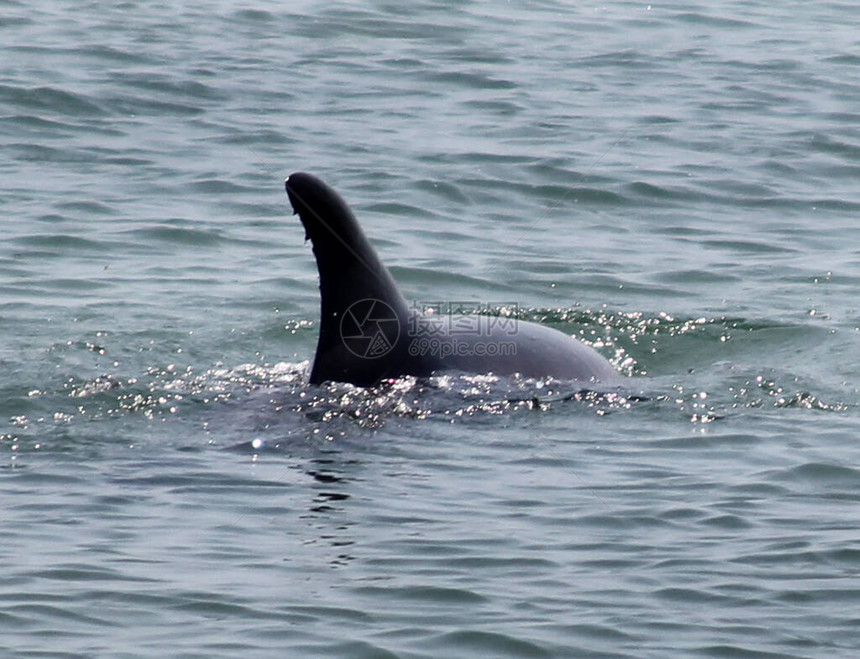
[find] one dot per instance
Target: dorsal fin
(350, 273)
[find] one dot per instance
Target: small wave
(698, 18)
(41, 153)
(469, 81)
(129, 104)
(845, 58)
(103, 53)
(486, 644)
(51, 99)
(160, 84)
(178, 235)
(254, 15)
(822, 473)
(217, 186)
(61, 243)
(650, 191)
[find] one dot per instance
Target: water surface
(674, 184)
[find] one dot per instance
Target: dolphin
(369, 333)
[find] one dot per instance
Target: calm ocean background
(677, 183)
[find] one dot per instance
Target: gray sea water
(677, 184)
